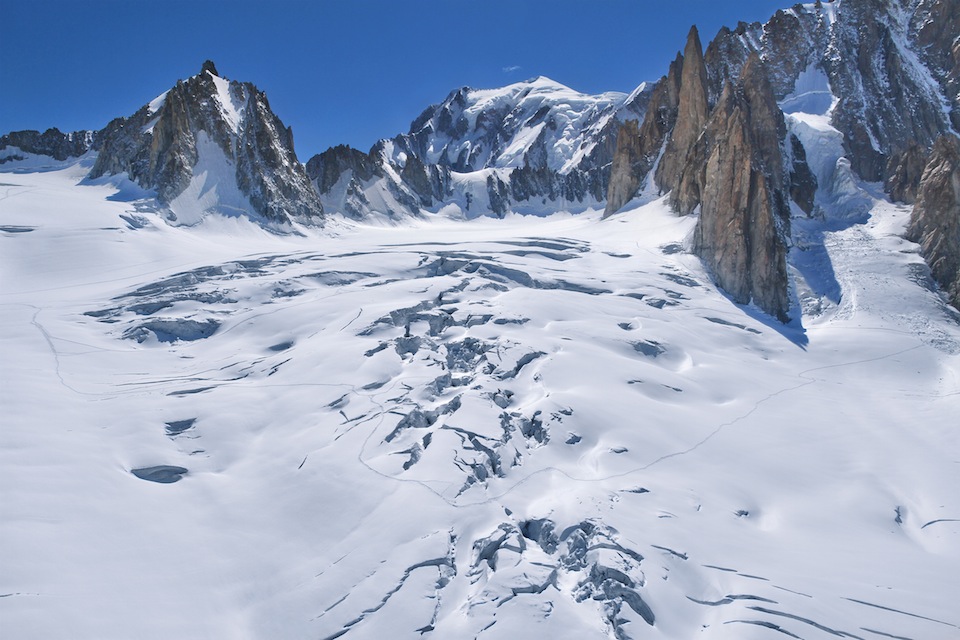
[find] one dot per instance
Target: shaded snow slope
(495, 429)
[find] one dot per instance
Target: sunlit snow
(499, 428)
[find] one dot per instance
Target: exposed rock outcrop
(904, 171)
(627, 171)
(161, 144)
(738, 169)
(935, 222)
(891, 65)
(52, 142)
(636, 162)
(692, 113)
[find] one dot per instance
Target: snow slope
(523, 427)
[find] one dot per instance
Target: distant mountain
(533, 146)
(206, 145)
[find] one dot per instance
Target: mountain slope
(487, 151)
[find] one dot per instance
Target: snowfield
(533, 427)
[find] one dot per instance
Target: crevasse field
(528, 428)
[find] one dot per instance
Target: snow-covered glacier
(524, 427)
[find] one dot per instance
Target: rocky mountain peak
(735, 174)
(208, 135)
(628, 173)
(692, 112)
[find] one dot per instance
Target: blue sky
(337, 72)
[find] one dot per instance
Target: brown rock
(692, 112)
(744, 219)
(626, 174)
(935, 222)
(657, 122)
(904, 171)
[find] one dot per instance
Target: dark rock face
(904, 171)
(629, 172)
(803, 183)
(933, 29)
(626, 173)
(884, 102)
(52, 142)
(159, 149)
(744, 220)
(935, 222)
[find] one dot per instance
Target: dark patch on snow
(764, 623)
(727, 323)
(671, 249)
(649, 348)
(681, 280)
(340, 278)
(730, 599)
(12, 228)
(281, 346)
(173, 330)
(521, 363)
(176, 427)
(677, 554)
(377, 349)
(164, 474)
(939, 520)
(560, 257)
(189, 392)
(574, 439)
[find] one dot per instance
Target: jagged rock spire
(692, 113)
(628, 173)
(744, 218)
(209, 66)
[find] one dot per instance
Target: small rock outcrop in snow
(935, 222)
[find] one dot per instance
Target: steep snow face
(212, 188)
(811, 93)
(232, 102)
(510, 429)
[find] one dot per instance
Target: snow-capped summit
(486, 151)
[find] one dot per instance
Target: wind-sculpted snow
(496, 429)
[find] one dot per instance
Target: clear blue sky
(347, 72)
